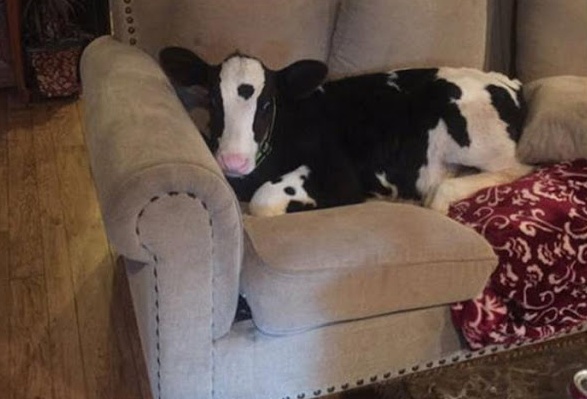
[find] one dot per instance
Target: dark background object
(91, 18)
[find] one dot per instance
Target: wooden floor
(66, 325)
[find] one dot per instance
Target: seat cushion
(314, 268)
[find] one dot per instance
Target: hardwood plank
(65, 355)
(3, 163)
(67, 117)
(109, 374)
(4, 315)
(24, 236)
(30, 369)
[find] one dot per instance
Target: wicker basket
(56, 70)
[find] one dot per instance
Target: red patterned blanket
(538, 228)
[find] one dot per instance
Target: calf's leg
(284, 194)
(459, 188)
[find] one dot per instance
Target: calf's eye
(266, 106)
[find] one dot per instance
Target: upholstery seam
(156, 284)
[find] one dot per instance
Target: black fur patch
(507, 110)
(297, 206)
(289, 190)
(245, 91)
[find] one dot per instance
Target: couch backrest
(383, 34)
(276, 31)
(551, 38)
(352, 35)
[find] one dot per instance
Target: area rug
(541, 371)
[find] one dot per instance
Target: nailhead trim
(156, 285)
(441, 362)
(156, 290)
(130, 20)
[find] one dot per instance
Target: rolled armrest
(143, 146)
(168, 209)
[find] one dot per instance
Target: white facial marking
(272, 199)
(239, 112)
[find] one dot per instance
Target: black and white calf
(288, 142)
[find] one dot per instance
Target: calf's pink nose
(234, 163)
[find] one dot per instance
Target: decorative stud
(373, 379)
(131, 30)
(317, 392)
(133, 41)
(360, 382)
(415, 368)
(301, 396)
(429, 364)
(455, 359)
(442, 361)
(128, 10)
(482, 352)
(127, 1)
(468, 355)
(344, 386)
(386, 375)
(402, 371)
(130, 20)
(330, 389)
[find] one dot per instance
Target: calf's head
(243, 100)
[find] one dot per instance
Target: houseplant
(53, 44)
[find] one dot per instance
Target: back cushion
(276, 31)
(377, 35)
(552, 38)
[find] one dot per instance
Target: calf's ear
(301, 78)
(184, 67)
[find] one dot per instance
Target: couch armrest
(166, 206)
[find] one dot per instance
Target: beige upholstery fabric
(556, 125)
(173, 296)
(358, 261)
(143, 146)
(551, 39)
(252, 365)
(276, 31)
(379, 35)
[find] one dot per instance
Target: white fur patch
(382, 178)
(391, 77)
(239, 113)
(271, 199)
(491, 149)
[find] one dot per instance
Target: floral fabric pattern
(538, 228)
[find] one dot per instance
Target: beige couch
(340, 297)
